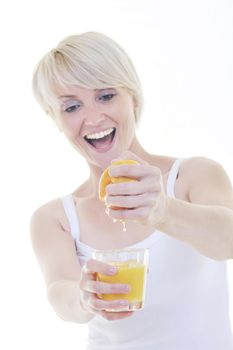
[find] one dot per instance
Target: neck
(138, 150)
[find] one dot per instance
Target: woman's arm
(55, 252)
(208, 228)
(206, 221)
(72, 290)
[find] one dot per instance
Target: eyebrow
(68, 96)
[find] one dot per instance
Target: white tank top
(186, 305)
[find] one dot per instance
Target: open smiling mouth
(101, 139)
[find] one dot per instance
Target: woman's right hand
(90, 288)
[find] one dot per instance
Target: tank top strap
(173, 176)
(70, 210)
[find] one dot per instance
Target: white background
(183, 51)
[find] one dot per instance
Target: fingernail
(112, 270)
(124, 302)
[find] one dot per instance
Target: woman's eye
(69, 108)
(107, 97)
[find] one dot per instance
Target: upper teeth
(99, 135)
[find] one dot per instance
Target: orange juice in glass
(132, 269)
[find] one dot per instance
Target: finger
(99, 304)
(129, 214)
(133, 188)
(93, 266)
(131, 202)
(98, 287)
(134, 171)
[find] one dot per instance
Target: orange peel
(106, 179)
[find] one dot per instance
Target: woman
(180, 209)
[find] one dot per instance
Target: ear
(135, 107)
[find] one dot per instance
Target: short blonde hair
(90, 60)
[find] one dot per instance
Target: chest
(100, 232)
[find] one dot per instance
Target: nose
(93, 116)
(93, 122)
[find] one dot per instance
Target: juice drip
(124, 225)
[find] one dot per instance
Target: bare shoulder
(206, 181)
(197, 168)
(51, 211)
(50, 214)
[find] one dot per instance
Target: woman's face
(99, 123)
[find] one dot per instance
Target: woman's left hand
(143, 200)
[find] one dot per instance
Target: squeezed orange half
(106, 179)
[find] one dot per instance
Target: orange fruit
(106, 179)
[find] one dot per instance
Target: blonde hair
(90, 60)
